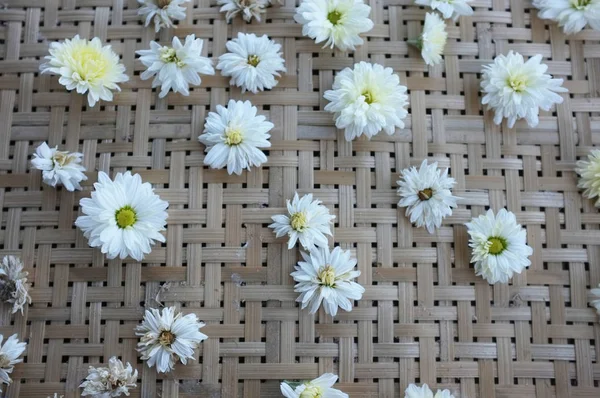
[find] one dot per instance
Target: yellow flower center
(327, 276)
(126, 217)
(334, 17)
(518, 83)
(425, 194)
(369, 98)
(580, 4)
(166, 338)
(253, 60)
(496, 245)
(89, 64)
(62, 158)
(299, 221)
(233, 136)
(169, 55)
(4, 361)
(163, 3)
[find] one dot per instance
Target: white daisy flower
(433, 39)
(13, 283)
(327, 277)
(425, 392)
(571, 15)
(336, 22)
(59, 167)
(449, 8)
(175, 67)
(589, 176)
(112, 381)
(516, 89)
(252, 62)
(320, 387)
(426, 195)
(167, 337)
(123, 217)
(499, 246)
(366, 100)
(248, 9)
(10, 352)
(233, 136)
(162, 12)
(87, 67)
(308, 221)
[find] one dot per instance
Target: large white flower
(327, 277)
(320, 387)
(162, 12)
(166, 337)
(59, 167)
(87, 67)
(516, 89)
(123, 217)
(233, 136)
(13, 283)
(252, 62)
(10, 352)
(433, 39)
(426, 195)
(175, 67)
(112, 381)
(366, 100)
(425, 392)
(449, 8)
(571, 15)
(499, 246)
(336, 22)
(589, 176)
(308, 221)
(247, 8)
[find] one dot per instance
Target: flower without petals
(247, 8)
(320, 387)
(162, 12)
(59, 167)
(425, 392)
(112, 381)
(433, 39)
(13, 283)
(589, 176)
(449, 8)
(571, 15)
(10, 352)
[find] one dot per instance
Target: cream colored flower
(589, 176)
(449, 8)
(433, 39)
(571, 15)
(320, 387)
(59, 167)
(248, 9)
(10, 352)
(112, 381)
(13, 283)
(425, 392)
(162, 12)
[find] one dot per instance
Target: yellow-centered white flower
(449, 8)
(167, 337)
(248, 9)
(10, 352)
(425, 392)
(433, 39)
(336, 22)
(571, 15)
(307, 220)
(320, 387)
(175, 67)
(366, 100)
(59, 167)
(112, 381)
(499, 246)
(14, 288)
(87, 67)
(123, 217)
(589, 176)
(516, 89)
(162, 12)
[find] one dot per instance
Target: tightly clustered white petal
(327, 277)
(14, 288)
(175, 67)
(571, 15)
(167, 337)
(248, 9)
(499, 246)
(233, 136)
(307, 220)
(516, 89)
(425, 392)
(87, 67)
(320, 387)
(59, 167)
(426, 194)
(589, 176)
(162, 12)
(252, 62)
(433, 39)
(10, 352)
(112, 381)
(449, 8)
(366, 100)
(123, 217)
(336, 22)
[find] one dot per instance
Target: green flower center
(299, 221)
(580, 4)
(334, 17)
(125, 217)
(496, 245)
(369, 98)
(253, 60)
(518, 83)
(233, 136)
(166, 338)
(327, 276)
(169, 56)
(425, 194)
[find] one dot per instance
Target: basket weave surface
(425, 316)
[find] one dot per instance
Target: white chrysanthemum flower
(233, 136)
(87, 67)
(327, 277)
(433, 39)
(175, 67)
(589, 176)
(14, 288)
(112, 381)
(10, 352)
(247, 8)
(123, 217)
(499, 246)
(252, 62)
(449, 8)
(366, 100)
(320, 387)
(167, 337)
(162, 12)
(571, 15)
(516, 89)
(426, 195)
(336, 22)
(425, 392)
(59, 167)
(308, 221)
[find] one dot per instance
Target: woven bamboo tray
(425, 316)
